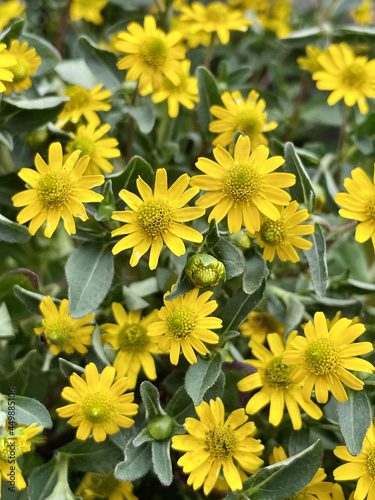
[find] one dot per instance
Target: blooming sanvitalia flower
(155, 218)
(9, 10)
(359, 204)
(258, 324)
(282, 235)
(276, 387)
(84, 102)
(350, 77)
(6, 62)
(134, 346)
(325, 355)
(97, 404)
(310, 62)
(27, 62)
(236, 115)
(94, 486)
(58, 190)
(185, 325)
(61, 331)
(364, 13)
(88, 10)
(215, 444)
(244, 186)
(152, 54)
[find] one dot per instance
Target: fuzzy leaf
(302, 191)
(29, 410)
(89, 456)
(161, 461)
(316, 257)
(201, 376)
(137, 462)
(12, 232)
(208, 96)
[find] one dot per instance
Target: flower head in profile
(129, 337)
(258, 324)
(9, 10)
(185, 325)
(89, 10)
(58, 191)
(96, 404)
(359, 204)
(274, 383)
(283, 235)
(364, 13)
(348, 76)
(236, 115)
(155, 218)
(61, 331)
(26, 65)
(94, 486)
(310, 62)
(243, 187)
(84, 102)
(6, 62)
(217, 445)
(325, 356)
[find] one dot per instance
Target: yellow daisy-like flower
(61, 331)
(88, 10)
(94, 486)
(282, 235)
(364, 13)
(310, 62)
(185, 325)
(97, 404)
(6, 62)
(90, 140)
(58, 191)
(275, 17)
(325, 355)
(242, 186)
(216, 445)
(349, 77)
(9, 10)
(236, 115)
(155, 218)
(27, 62)
(84, 102)
(152, 54)
(359, 204)
(276, 387)
(258, 324)
(360, 467)
(130, 338)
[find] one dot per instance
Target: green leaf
(47, 52)
(76, 72)
(30, 299)
(29, 410)
(302, 191)
(230, 256)
(317, 111)
(107, 205)
(132, 300)
(69, 368)
(98, 346)
(304, 36)
(6, 327)
(255, 272)
(137, 462)
(201, 376)
(12, 30)
(90, 456)
(137, 166)
(208, 96)
(180, 406)
(316, 257)
(143, 437)
(151, 399)
(89, 271)
(211, 237)
(12, 232)
(183, 285)
(294, 313)
(143, 115)
(355, 418)
(39, 103)
(161, 461)
(216, 391)
(42, 480)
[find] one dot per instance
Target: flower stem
(210, 52)
(130, 129)
(342, 134)
(65, 18)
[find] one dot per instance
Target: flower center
(371, 462)
(133, 338)
(103, 484)
(277, 374)
(154, 52)
(79, 98)
(20, 71)
(371, 210)
(97, 408)
(10, 448)
(84, 145)
(321, 356)
(154, 216)
(54, 189)
(180, 322)
(250, 122)
(354, 76)
(273, 232)
(241, 183)
(221, 441)
(59, 333)
(217, 13)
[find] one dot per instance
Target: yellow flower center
(103, 485)
(180, 322)
(154, 52)
(133, 338)
(371, 210)
(20, 71)
(371, 462)
(354, 76)
(221, 441)
(277, 374)
(321, 356)
(273, 233)
(241, 183)
(250, 122)
(59, 333)
(154, 216)
(84, 145)
(217, 13)
(79, 98)
(54, 189)
(11, 447)
(97, 408)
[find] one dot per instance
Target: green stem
(210, 51)
(130, 129)
(342, 134)
(65, 18)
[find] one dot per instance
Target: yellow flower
(184, 324)
(240, 115)
(215, 445)
(360, 467)
(61, 331)
(9, 10)
(156, 218)
(84, 102)
(275, 17)
(363, 14)
(97, 404)
(58, 190)
(6, 62)
(324, 356)
(90, 141)
(276, 387)
(27, 62)
(94, 486)
(130, 338)
(359, 204)
(282, 235)
(348, 76)
(310, 62)
(88, 10)
(242, 186)
(152, 54)
(258, 324)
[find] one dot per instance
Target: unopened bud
(161, 427)
(205, 270)
(241, 240)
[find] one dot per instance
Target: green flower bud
(161, 427)
(241, 240)
(37, 138)
(205, 270)
(320, 197)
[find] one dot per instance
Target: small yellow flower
(310, 62)
(185, 325)
(58, 191)
(6, 62)
(129, 337)
(325, 355)
(88, 10)
(364, 13)
(9, 10)
(275, 17)
(215, 444)
(97, 404)
(258, 324)
(94, 486)
(84, 102)
(26, 65)
(61, 331)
